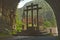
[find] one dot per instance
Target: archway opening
(44, 20)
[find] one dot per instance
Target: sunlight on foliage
(19, 23)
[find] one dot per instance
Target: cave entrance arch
(55, 4)
(27, 24)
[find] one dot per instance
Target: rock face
(7, 14)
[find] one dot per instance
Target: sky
(22, 3)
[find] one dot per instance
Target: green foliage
(18, 25)
(53, 22)
(47, 24)
(19, 22)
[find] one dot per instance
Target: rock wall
(7, 14)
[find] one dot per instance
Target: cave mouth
(46, 19)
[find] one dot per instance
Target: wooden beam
(32, 13)
(33, 9)
(33, 5)
(27, 17)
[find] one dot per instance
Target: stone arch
(34, 2)
(55, 4)
(56, 7)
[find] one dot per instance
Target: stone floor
(30, 38)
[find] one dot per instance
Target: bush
(19, 24)
(47, 24)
